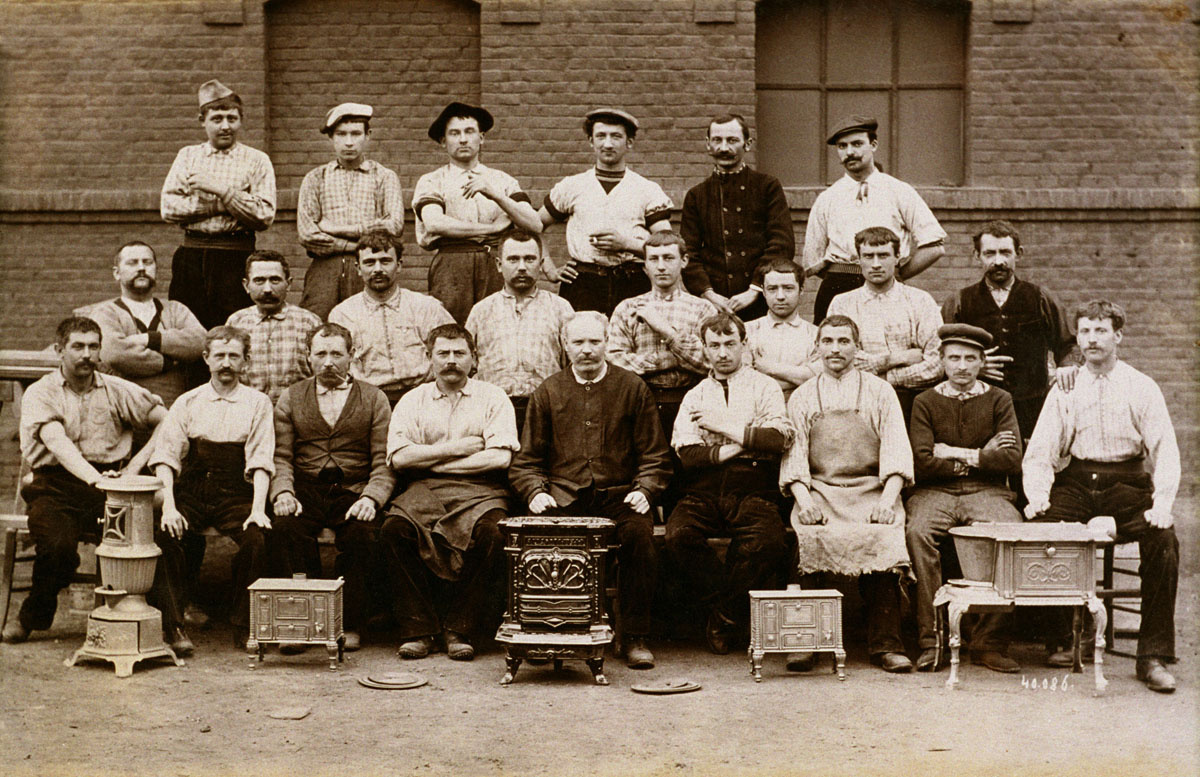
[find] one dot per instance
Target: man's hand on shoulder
(1065, 377)
(720, 301)
(743, 300)
(994, 364)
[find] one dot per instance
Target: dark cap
(437, 130)
(612, 116)
(965, 334)
(855, 123)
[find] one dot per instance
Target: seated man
(845, 469)
(1113, 426)
(781, 343)
(146, 340)
(965, 443)
(452, 440)
(593, 446)
(218, 444)
(331, 469)
(77, 426)
(729, 434)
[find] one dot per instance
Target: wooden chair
(1118, 562)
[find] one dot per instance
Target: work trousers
(601, 288)
(209, 282)
(328, 281)
(460, 277)
(880, 593)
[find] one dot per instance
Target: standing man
(864, 197)
(518, 330)
(965, 444)
(610, 211)
(463, 209)
(1024, 321)
(331, 469)
(388, 323)
(341, 201)
(781, 343)
(1124, 462)
(221, 192)
(218, 444)
(899, 323)
(734, 222)
(278, 331)
(146, 340)
(729, 434)
(76, 427)
(452, 440)
(592, 445)
(845, 469)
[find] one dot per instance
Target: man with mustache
(388, 323)
(1115, 434)
(782, 344)
(592, 445)
(146, 340)
(864, 197)
(965, 444)
(452, 441)
(734, 222)
(341, 201)
(1024, 320)
(278, 331)
(76, 427)
(221, 192)
(215, 455)
(518, 330)
(331, 469)
(464, 208)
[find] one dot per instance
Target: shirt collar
(209, 393)
(343, 386)
(210, 149)
(278, 315)
(584, 382)
(97, 381)
(947, 389)
(891, 292)
(737, 375)
(668, 297)
(1012, 280)
(366, 166)
(793, 320)
(467, 390)
(391, 302)
(725, 174)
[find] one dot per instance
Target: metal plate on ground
(663, 687)
(396, 681)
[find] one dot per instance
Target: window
(901, 61)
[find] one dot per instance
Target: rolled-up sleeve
(260, 442)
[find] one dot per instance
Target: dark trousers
(476, 599)
(209, 282)
(833, 284)
(1087, 489)
(601, 288)
(636, 558)
(324, 507)
(63, 511)
(757, 551)
(460, 278)
(328, 281)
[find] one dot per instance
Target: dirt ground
(211, 717)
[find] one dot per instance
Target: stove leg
(756, 659)
(124, 665)
(253, 651)
(596, 664)
(839, 664)
(511, 664)
(1100, 616)
(955, 612)
(1077, 639)
(335, 654)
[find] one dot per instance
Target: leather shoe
(717, 633)
(195, 617)
(15, 632)
(927, 661)
(351, 641)
(179, 642)
(1063, 659)
(637, 655)
(457, 647)
(1156, 677)
(416, 648)
(897, 663)
(996, 661)
(800, 662)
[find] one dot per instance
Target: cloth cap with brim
(211, 91)
(612, 116)
(437, 130)
(345, 111)
(965, 334)
(855, 123)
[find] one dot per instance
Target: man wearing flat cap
(341, 201)
(463, 209)
(864, 197)
(610, 211)
(965, 444)
(221, 193)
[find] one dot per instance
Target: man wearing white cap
(341, 201)
(610, 211)
(220, 192)
(463, 210)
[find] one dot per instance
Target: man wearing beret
(610, 211)
(864, 197)
(463, 210)
(341, 201)
(220, 192)
(965, 444)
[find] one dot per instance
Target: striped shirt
(790, 341)
(443, 187)
(630, 208)
(389, 336)
(662, 363)
(1117, 416)
(519, 342)
(900, 318)
(278, 346)
(363, 196)
(751, 397)
(247, 171)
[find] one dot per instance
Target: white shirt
(589, 209)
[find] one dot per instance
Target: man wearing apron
(845, 468)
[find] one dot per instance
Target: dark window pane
(789, 128)
(788, 43)
(930, 150)
(932, 41)
(843, 104)
(860, 43)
